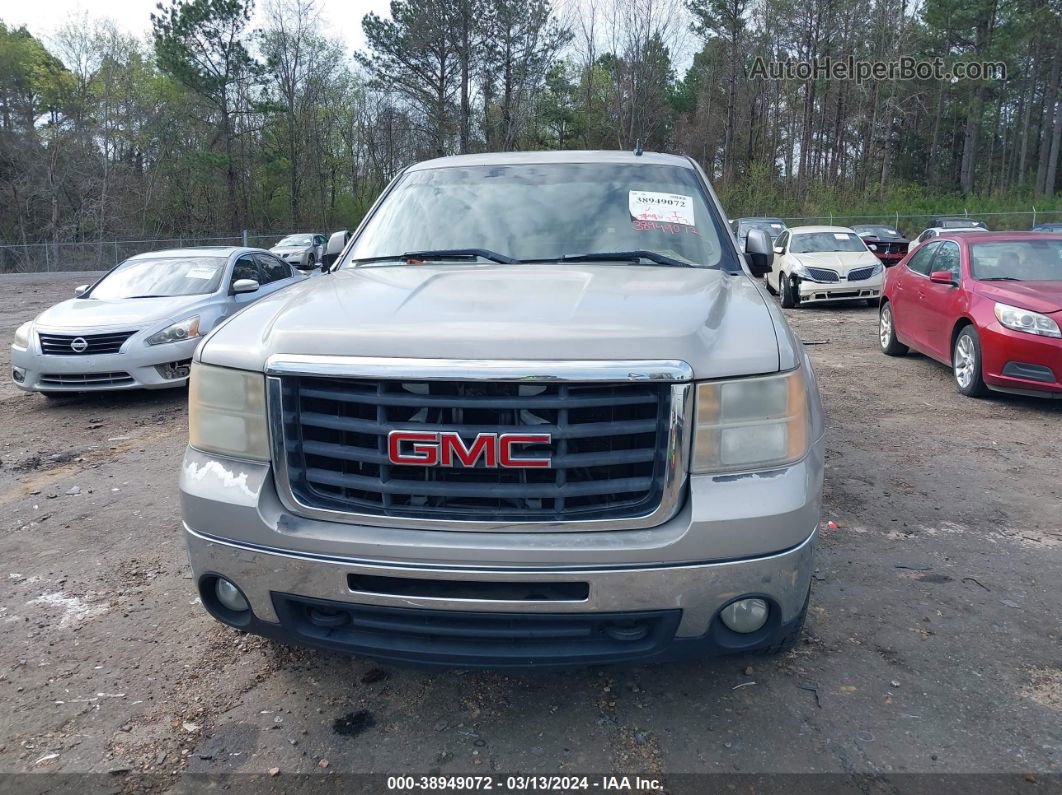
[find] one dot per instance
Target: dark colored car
(1057, 227)
(742, 226)
(886, 242)
(988, 304)
(956, 222)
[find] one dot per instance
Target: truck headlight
(226, 412)
(22, 336)
(1023, 320)
(184, 330)
(751, 423)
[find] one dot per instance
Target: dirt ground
(934, 642)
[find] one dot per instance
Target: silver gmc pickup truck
(540, 413)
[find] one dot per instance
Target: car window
(810, 242)
(161, 277)
(919, 261)
(273, 270)
(318, 240)
(782, 240)
(542, 211)
(245, 268)
(947, 259)
(1019, 260)
(294, 241)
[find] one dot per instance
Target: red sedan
(988, 305)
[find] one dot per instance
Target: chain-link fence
(103, 255)
(912, 225)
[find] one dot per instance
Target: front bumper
(1013, 361)
(674, 610)
(735, 536)
(811, 292)
(134, 368)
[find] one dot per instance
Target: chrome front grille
(83, 344)
(860, 274)
(616, 449)
(822, 274)
(85, 379)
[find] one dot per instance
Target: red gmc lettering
(425, 450)
(448, 449)
(507, 441)
(452, 445)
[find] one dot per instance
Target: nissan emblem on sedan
(447, 449)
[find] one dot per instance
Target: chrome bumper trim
(700, 590)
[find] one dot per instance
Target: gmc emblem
(447, 449)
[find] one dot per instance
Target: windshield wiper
(630, 256)
(159, 295)
(461, 254)
(1000, 279)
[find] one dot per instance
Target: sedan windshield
(1018, 260)
(549, 211)
(877, 231)
(772, 226)
(161, 277)
(812, 242)
(295, 240)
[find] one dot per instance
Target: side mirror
(80, 291)
(336, 243)
(245, 286)
(758, 252)
(778, 250)
(943, 277)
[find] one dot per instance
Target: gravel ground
(933, 643)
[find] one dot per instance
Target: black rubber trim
(562, 650)
(1030, 372)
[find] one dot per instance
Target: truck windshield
(548, 211)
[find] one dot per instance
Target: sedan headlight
(22, 336)
(1023, 320)
(751, 423)
(178, 332)
(226, 412)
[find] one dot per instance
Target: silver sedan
(303, 250)
(138, 326)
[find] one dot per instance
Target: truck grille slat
(450, 488)
(60, 344)
(558, 432)
(608, 450)
(378, 456)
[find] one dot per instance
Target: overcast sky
(43, 17)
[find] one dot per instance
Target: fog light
(745, 615)
(229, 595)
(18, 374)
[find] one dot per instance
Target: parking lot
(934, 642)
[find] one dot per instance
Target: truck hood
(91, 314)
(718, 323)
(1044, 297)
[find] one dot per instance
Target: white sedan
(824, 263)
(138, 326)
